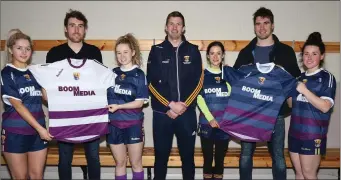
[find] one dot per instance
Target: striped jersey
(130, 85)
(308, 122)
(19, 84)
(77, 98)
(216, 92)
(255, 102)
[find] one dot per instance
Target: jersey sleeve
(43, 73)
(231, 75)
(8, 88)
(142, 88)
(108, 78)
(329, 88)
(289, 84)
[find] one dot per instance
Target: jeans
(276, 150)
(66, 155)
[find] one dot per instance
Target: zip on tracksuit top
(174, 74)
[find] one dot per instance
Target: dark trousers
(276, 150)
(66, 155)
(184, 128)
(220, 148)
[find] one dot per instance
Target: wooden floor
(261, 158)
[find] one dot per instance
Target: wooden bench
(261, 158)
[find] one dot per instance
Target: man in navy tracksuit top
(175, 77)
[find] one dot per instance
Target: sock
(123, 177)
(138, 175)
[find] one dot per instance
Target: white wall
(204, 21)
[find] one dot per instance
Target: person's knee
(136, 165)
(19, 175)
(35, 174)
(309, 172)
(121, 162)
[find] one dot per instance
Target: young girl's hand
(45, 135)
(113, 107)
(301, 87)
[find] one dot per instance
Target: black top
(63, 51)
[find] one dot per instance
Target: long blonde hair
(133, 44)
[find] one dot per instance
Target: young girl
(212, 101)
(311, 110)
(23, 137)
(125, 100)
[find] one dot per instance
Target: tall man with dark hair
(75, 27)
(266, 48)
(175, 77)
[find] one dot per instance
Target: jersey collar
(69, 60)
(313, 73)
(19, 69)
(266, 67)
(128, 69)
(213, 71)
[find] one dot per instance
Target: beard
(264, 36)
(76, 37)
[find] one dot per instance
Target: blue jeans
(276, 150)
(66, 155)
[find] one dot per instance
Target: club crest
(122, 77)
(187, 60)
(217, 79)
(304, 81)
(27, 77)
(76, 75)
(317, 142)
(261, 80)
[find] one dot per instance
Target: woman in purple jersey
(212, 100)
(311, 110)
(23, 135)
(125, 100)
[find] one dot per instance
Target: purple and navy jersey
(255, 102)
(130, 85)
(308, 122)
(20, 84)
(216, 91)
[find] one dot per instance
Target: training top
(19, 84)
(308, 122)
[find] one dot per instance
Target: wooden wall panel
(145, 44)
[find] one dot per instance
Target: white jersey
(77, 98)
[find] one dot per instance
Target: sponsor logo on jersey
(60, 72)
(31, 90)
(216, 91)
(76, 75)
(76, 91)
(261, 80)
(118, 90)
(27, 77)
(301, 98)
(257, 94)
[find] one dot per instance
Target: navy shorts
(307, 147)
(19, 143)
(130, 135)
(206, 131)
